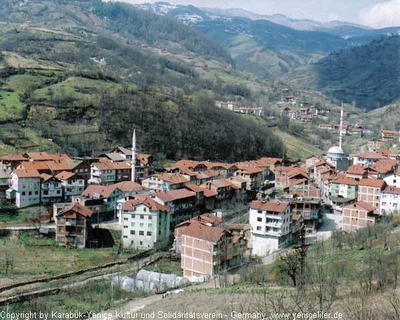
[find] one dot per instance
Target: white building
(393, 180)
(271, 226)
(144, 222)
(390, 200)
(25, 188)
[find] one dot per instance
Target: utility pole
(301, 249)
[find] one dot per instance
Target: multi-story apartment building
(369, 191)
(271, 226)
(73, 226)
(144, 222)
(357, 215)
(25, 188)
(207, 250)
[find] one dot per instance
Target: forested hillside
(367, 75)
(79, 76)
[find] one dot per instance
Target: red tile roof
(356, 169)
(65, 175)
(391, 190)
(22, 173)
(372, 183)
(203, 232)
(13, 157)
(128, 186)
(77, 208)
(172, 178)
(360, 204)
(269, 206)
(142, 199)
(173, 195)
(103, 191)
(344, 180)
(194, 187)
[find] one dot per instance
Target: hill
(367, 75)
(78, 76)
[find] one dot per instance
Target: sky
(371, 13)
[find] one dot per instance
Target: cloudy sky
(372, 13)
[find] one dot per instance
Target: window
(125, 226)
(125, 237)
(60, 229)
(36, 193)
(259, 211)
(141, 243)
(126, 219)
(259, 219)
(132, 224)
(23, 193)
(30, 193)
(144, 209)
(258, 228)
(141, 216)
(149, 233)
(58, 191)
(45, 192)
(141, 233)
(133, 232)
(150, 217)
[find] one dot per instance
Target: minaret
(340, 127)
(133, 173)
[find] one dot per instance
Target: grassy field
(35, 257)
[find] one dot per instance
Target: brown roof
(127, 186)
(208, 193)
(344, 180)
(104, 191)
(360, 204)
(146, 201)
(269, 206)
(46, 177)
(356, 169)
(77, 208)
(108, 165)
(372, 183)
(391, 189)
(22, 173)
(194, 187)
(172, 178)
(172, 195)
(203, 232)
(371, 155)
(65, 175)
(13, 157)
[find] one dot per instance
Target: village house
(72, 184)
(107, 172)
(145, 222)
(357, 215)
(181, 203)
(356, 172)
(369, 191)
(223, 189)
(388, 135)
(310, 211)
(165, 182)
(393, 179)
(270, 225)
(73, 225)
(250, 172)
(375, 144)
(25, 188)
(390, 200)
(368, 159)
(51, 189)
(102, 200)
(11, 161)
